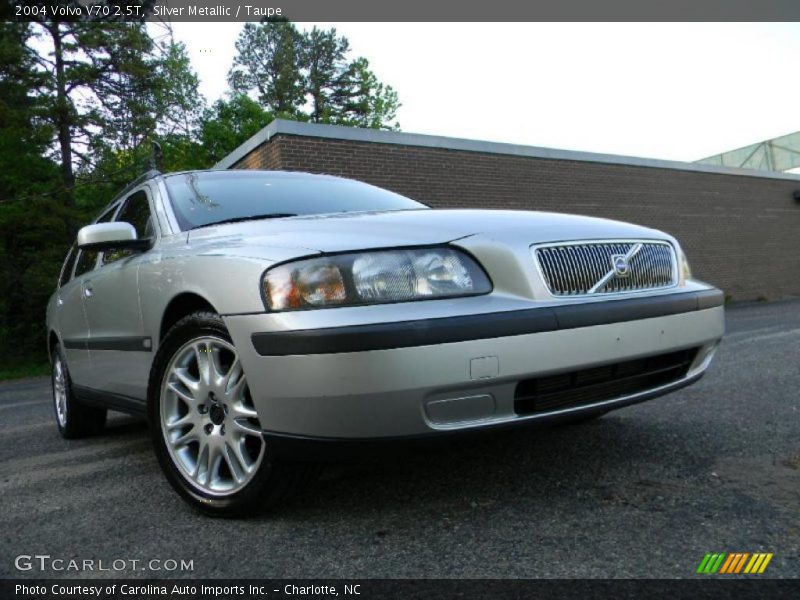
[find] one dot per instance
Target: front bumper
(419, 377)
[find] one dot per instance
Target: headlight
(686, 271)
(373, 278)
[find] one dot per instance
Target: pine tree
(308, 76)
(268, 62)
(324, 58)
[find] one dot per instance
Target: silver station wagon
(257, 318)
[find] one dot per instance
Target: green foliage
(307, 76)
(31, 369)
(230, 122)
(363, 101)
(268, 62)
(324, 56)
(26, 227)
(80, 104)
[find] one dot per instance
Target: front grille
(587, 386)
(589, 268)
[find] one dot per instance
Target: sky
(671, 91)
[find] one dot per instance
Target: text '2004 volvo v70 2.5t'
(249, 314)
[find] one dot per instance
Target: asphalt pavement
(646, 491)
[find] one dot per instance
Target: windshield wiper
(248, 218)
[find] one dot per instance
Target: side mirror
(110, 236)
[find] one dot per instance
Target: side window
(66, 270)
(88, 258)
(135, 211)
(86, 262)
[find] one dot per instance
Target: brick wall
(741, 233)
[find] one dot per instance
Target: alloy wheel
(208, 420)
(60, 391)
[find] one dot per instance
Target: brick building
(740, 228)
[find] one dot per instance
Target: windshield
(206, 198)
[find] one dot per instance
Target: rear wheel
(205, 428)
(74, 419)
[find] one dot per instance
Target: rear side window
(69, 263)
(88, 258)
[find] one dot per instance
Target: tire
(206, 434)
(74, 419)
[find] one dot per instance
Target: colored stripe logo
(734, 563)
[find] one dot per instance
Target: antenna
(155, 155)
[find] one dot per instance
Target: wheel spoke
(199, 460)
(214, 462)
(235, 464)
(234, 380)
(215, 375)
(203, 474)
(185, 438)
(202, 358)
(183, 395)
(183, 376)
(184, 421)
(242, 456)
(245, 427)
(240, 411)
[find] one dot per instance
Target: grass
(23, 371)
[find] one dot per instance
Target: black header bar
(405, 11)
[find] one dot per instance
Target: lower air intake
(597, 384)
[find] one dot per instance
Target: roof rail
(149, 174)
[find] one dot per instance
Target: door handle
(88, 291)
(60, 301)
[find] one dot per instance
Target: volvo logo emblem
(621, 266)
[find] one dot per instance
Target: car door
(70, 314)
(72, 324)
(121, 351)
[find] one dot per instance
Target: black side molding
(426, 332)
(121, 344)
(710, 299)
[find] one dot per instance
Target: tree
(360, 100)
(324, 58)
(79, 103)
(309, 77)
(268, 62)
(228, 123)
(107, 88)
(162, 104)
(31, 218)
(24, 134)
(177, 103)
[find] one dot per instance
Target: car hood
(356, 231)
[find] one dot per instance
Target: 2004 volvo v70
(251, 313)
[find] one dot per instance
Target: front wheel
(205, 428)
